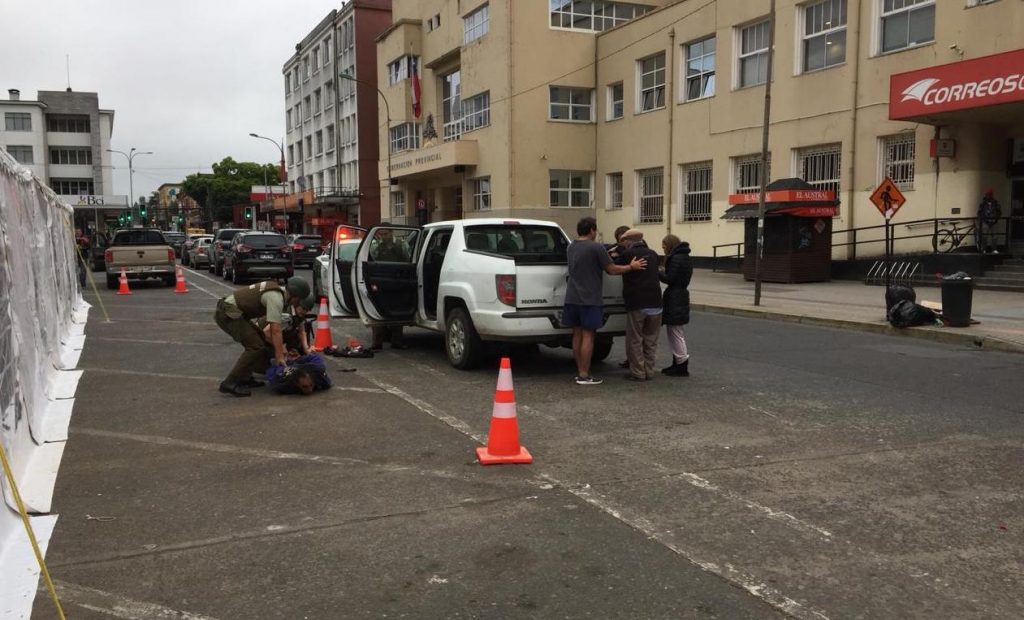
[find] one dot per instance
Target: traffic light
(249, 214)
(142, 210)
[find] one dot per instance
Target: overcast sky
(187, 79)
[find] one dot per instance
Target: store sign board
(987, 81)
(95, 201)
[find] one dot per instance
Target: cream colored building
(656, 121)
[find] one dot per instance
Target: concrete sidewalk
(853, 305)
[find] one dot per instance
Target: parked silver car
(199, 253)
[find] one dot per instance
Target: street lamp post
(387, 115)
(282, 174)
(131, 154)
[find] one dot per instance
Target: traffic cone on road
(503, 439)
(323, 328)
(179, 285)
(123, 288)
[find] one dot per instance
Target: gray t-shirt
(587, 260)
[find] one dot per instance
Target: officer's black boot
(235, 389)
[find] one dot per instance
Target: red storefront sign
(986, 81)
(785, 195)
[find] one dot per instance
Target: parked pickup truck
(142, 253)
(475, 281)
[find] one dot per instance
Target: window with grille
(696, 190)
(594, 16)
(481, 194)
(22, 154)
(68, 124)
(615, 105)
(614, 185)
(820, 166)
(569, 104)
(17, 121)
(753, 58)
(700, 69)
(476, 112)
(476, 24)
(651, 189)
(405, 137)
(824, 43)
(906, 23)
(570, 188)
(748, 173)
(451, 105)
(69, 187)
(652, 83)
(71, 157)
(397, 204)
(898, 159)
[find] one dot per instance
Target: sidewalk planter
(797, 231)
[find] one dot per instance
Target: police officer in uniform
(236, 314)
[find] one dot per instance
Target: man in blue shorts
(584, 303)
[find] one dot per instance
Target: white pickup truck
(476, 281)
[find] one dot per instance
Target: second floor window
(476, 111)
(615, 103)
(906, 23)
(476, 24)
(17, 121)
(405, 137)
(700, 69)
(753, 65)
(652, 83)
(824, 34)
(569, 104)
(451, 105)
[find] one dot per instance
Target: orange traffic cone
(123, 289)
(179, 285)
(503, 440)
(323, 328)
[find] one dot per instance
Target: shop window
(824, 37)
(614, 185)
(696, 188)
(651, 95)
(820, 166)
(700, 69)
(753, 58)
(650, 185)
(898, 154)
(907, 23)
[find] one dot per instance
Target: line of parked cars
(242, 254)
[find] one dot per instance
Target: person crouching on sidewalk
(678, 271)
(641, 292)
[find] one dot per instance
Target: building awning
(938, 93)
(430, 159)
(785, 197)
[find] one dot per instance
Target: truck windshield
(139, 237)
(525, 243)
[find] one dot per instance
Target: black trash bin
(957, 295)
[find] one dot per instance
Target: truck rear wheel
(112, 282)
(461, 342)
(602, 349)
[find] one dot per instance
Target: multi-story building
(650, 115)
(331, 118)
(63, 137)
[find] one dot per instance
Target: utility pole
(764, 156)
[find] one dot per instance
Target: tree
(228, 185)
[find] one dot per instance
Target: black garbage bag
(906, 313)
(899, 292)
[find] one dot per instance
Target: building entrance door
(1017, 212)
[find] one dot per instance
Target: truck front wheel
(461, 342)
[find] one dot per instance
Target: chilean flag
(417, 107)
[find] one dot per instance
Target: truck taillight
(506, 287)
(170, 255)
(108, 256)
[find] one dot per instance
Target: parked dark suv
(305, 248)
(221, 239)
(257, 255)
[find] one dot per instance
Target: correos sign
(991, 80)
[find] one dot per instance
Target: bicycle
(949, 239)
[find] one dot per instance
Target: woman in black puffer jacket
(676, 302)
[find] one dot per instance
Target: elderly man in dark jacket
(641, 292)
(678, 271)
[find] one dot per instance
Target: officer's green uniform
(235, 314)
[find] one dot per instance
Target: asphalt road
(799, 471)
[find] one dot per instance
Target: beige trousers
(642, 343)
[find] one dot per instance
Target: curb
(924, 333)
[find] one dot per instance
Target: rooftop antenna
(67, 62)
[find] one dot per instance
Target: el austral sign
(986, 81)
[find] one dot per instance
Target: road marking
(174, 321)
(142, 341)
(206, 277)
(215, 296)
(428, 409)
(161, 375)
(173, 308)
(118, 606)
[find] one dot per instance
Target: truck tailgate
(540, 286)
(140, 256)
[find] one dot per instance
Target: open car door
(384, 276)
(344, 246)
